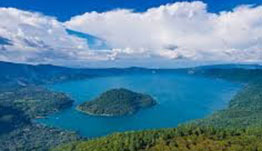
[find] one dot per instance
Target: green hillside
(184, 138)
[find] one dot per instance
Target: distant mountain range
(13, 74)
(24, 74)
(233, 66)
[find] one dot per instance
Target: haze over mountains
(25, 74)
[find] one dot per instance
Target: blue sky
(65, 9)
(122, 33)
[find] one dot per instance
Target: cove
(180, 97)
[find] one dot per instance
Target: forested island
(117, 102)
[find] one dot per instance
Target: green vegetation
(117, 102)
(185, 138)
(18, 107)
(244, 110)
(35, 101)
(11, 118)
(34, 137)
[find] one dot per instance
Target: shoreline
(93, 114)
(108, 115)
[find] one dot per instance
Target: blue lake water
(180, 98)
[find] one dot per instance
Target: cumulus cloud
(161, 36)
(179, 31)
(36, 38)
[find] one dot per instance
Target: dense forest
(184, 138)
(35, 101)
(117, 102)
(244, 110)
(11, 118)
(19, 107)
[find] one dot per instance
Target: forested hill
(14, 74)
(23, 74)
(234, 74)
(117, 102)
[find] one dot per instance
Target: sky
(123, 33)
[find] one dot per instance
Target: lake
(180, 98)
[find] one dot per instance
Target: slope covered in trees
(19, 107)
(244, 110)
(35, 101)
(11, 118)
(185, 138)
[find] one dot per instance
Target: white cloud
(37, 38)
(158, 37)
(179, 30)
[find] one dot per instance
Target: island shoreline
(92, 114)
